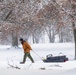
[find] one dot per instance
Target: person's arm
(28, 46)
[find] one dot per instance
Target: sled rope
(38, 55)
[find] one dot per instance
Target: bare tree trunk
(33, 38)
(51, 37)
(73, 24)
(74, 31)
(75, 41)
(14, 39)
(61, 35)
(36, 40)
(50, 33)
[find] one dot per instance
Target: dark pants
(27, 54)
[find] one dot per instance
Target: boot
(22, 62)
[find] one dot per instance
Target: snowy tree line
(36, 19)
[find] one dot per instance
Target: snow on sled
(51, 58)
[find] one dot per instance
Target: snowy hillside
(10, 58)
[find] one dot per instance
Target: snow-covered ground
(10, 58)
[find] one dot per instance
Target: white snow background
(14, 56)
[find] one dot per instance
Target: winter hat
(21, 39)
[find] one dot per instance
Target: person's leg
(30, 57)
(24, 58)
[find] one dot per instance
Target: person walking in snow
(26, 48)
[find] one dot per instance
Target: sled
(51, 58)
